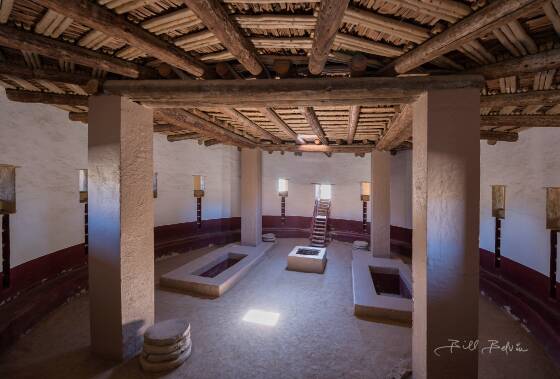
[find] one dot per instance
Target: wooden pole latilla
(330, 17)
(287, 92)
(104, 20)
(353, 119)
(314, 124)
(398, 130)
(546, 60)
(250, 125)
(23, 96)
(499, 136)
(27, 41)
(467, 30)
(312, 148)
(26, 73)
(195, 123)
(519, 121)
(217, 20)
(523, 99)
(279, 123)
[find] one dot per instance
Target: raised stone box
(216, 272)
(382, 288)
(307, 259)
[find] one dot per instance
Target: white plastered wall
(50, 150)
(525, 167)
(344, 172)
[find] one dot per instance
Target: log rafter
(314, 124)
(217, 20)
(107, 22)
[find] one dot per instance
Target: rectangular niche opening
(7, 189)
(219, 265)
(387, 281)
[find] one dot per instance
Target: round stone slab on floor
(362, 245)
(171, 356)
(167, 332)
(165, 366)
(154, 349)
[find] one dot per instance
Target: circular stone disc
(155, 358)
(165, 366)
(360, 244)
(154, 349)
(167, 332)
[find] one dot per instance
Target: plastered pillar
(121, 225)
(251, 197)
(445, 212)
(380, 204)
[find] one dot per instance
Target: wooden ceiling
(52, 49)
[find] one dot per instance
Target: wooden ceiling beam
(27, 41)
(521, 121)
(279, 123)
(182, 136)
(217, 20)
(314, 124)
(286, 92)
(399, 130)
(194, 123)
(250, 125)
(330, 17)
(23, 72)
(467, 30)
(499, 136)
(311, 148)
(353, 118)
(104, 20)
(22, 96)
(523, 99)
(546, 60)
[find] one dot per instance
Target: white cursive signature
(473, 345)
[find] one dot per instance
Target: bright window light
(282, 185)
(261, 317)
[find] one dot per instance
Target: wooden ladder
(320, 223)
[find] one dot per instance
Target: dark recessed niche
(7, 189)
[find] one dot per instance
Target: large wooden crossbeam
(310, 148)
(285, 92)
(102, 19)
(398, 130)
(330, 17)
(217, 20)
(353, 118)
(27, 41)
(46, 98)
(523, 99)
(273, 117)
(467, 30)
(546, 60)
(195, 123)
(314, 124)
(250, 125)
(521, 121)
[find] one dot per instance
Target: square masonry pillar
(251, 197)
(445, 212)
(380, 204)
(121, 225)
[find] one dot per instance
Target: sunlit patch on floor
(261, 317)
